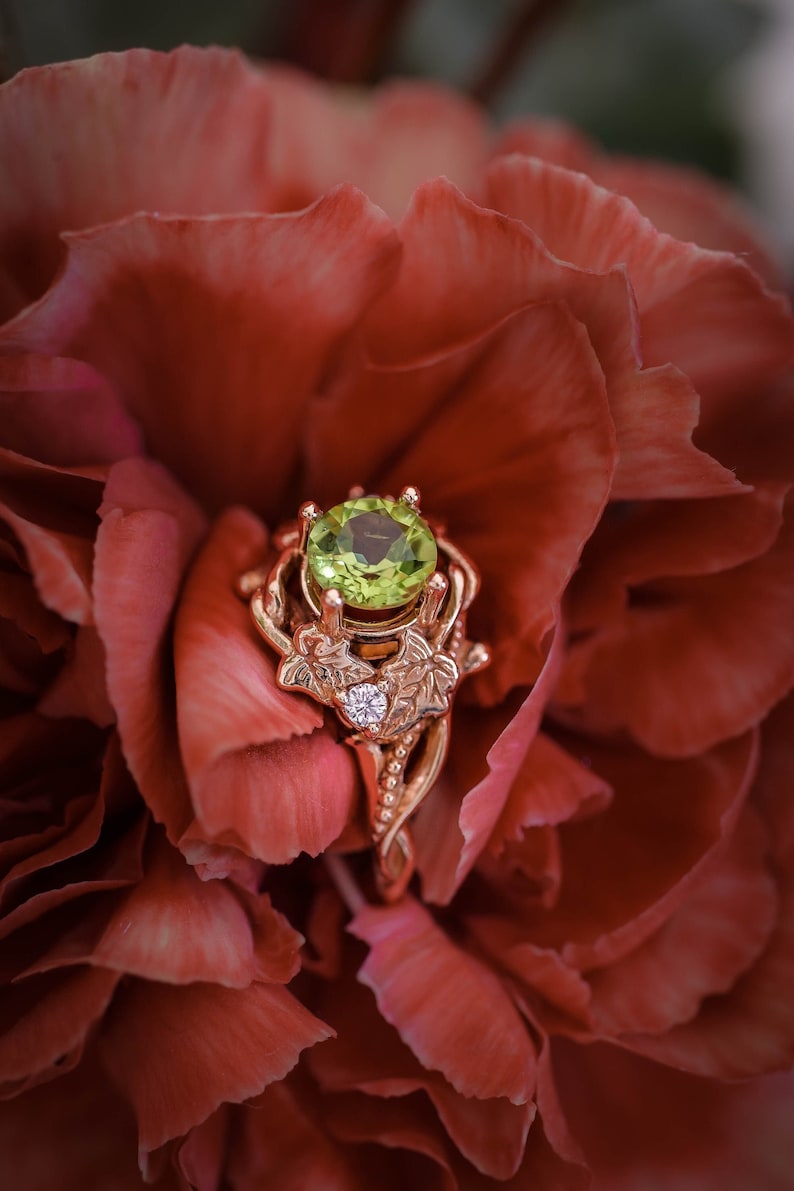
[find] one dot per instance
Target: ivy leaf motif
(421, 681)
(321, 666)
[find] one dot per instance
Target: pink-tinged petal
(44, 1020)
(754, 437)
(705, 312)
(681, 670)
(60, 563)
(453, 830)
(175, 928)
(79, 690)
(149, 531)
(466, 268)
(387, 143)
(234, 719)
(367, 1055)
(656, 539)
(177, 1052)
(432, 992)
(201, 1156)
(73, 1133)
(215, 332)
(539, 971)
(278, 1143)
(702, 949)
(642, 1125)
(416, 1152)
(74, 132)
(551, 787)
(627, 869)
(63, 413)
(280, 799)
(689, 205)
(550, 139)
(750, 1030)
(19, 604)
(227, 697)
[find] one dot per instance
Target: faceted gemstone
(365, 704)
(378, 553)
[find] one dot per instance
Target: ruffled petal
(466, 268)
(44, 1020)
(627, 869)
(99, 113)
(453, 830)
(149, 531)
(693, 660)
(700, 951)
(645, 1125)
(705, 312)
(431, 991)
(750, 1030)
(215, 332)
(387, 143)
(177, 1052)
(690, 206)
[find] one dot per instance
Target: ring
(366, 608)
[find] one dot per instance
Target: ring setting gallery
(366, 608)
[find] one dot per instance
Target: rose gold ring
(366, 607)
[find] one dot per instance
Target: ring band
(366, 623)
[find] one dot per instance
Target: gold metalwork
(404, 667)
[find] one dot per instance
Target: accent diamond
(365, 704)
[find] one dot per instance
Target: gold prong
(308, 514)
(331, 618)
(248, 582)
(477, 657)
(356, 492)
(432, 598)
(411, 496)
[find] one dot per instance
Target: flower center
(378, 553)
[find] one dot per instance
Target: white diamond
(365, 704)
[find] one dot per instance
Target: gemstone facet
(378, 553)
(365, 704)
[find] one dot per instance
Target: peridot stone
(378, 553)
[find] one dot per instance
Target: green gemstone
(378, 553)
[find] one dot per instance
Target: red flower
(206, 320)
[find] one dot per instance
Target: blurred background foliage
(643, 76)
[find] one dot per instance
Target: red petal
(703, 311)
(626, 870)
(750, 1030)
(79, 689)
(231, 711)
(551, 139)
(682, 670)
(177, 1052)
(689, 205)
(387, 143)
(215, 332)
(62, 413)
(177, 929)
(277, 1143)
(465, 268)
(99, 112)
(149, 530)
(432, 992)
(73, 1133)
(452, 831)
(44, 1019)
(368, 1056)
(60, 562)
(701, 950)
(655, 540)
(642, 1125)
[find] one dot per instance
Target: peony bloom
(225, 290)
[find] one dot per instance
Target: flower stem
(528, 22)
